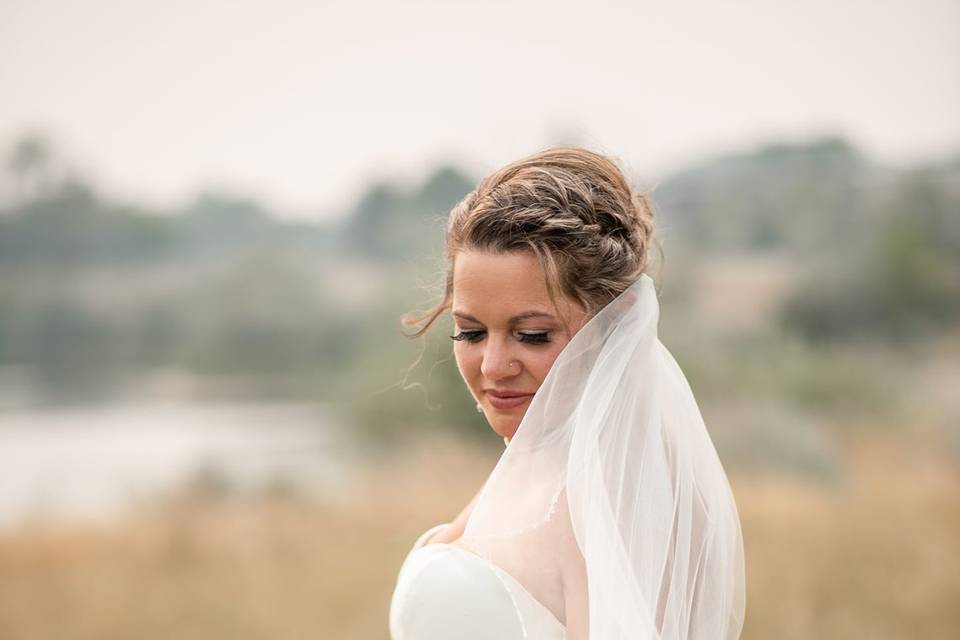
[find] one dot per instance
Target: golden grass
(877, 558)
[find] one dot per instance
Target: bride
(608, 515)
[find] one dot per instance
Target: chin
(506, 428)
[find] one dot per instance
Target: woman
(609, 515)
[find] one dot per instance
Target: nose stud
(480, 407)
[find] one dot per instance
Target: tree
(30, 163)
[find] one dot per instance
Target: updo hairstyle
(570, 207)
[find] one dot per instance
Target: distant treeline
(880, 245)
(91, 285)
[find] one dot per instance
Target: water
(93, 463)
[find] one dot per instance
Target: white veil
(610, 505)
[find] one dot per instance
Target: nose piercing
(479, 406)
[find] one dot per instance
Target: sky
(302, 104)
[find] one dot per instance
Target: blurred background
(213, 216)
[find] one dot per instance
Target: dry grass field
(877, 557)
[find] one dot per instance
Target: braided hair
(573, 209)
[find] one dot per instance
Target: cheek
(468, 361)
(541, 364)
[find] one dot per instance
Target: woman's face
(508, 332)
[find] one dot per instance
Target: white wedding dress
(445, 592)
(611, 487)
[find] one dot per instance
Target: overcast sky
(303, 103)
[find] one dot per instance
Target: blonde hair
(573, 209)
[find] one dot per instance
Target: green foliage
(389, 225)
(773, 436)
(71, 226)
(94, 290)
(903, 287)
(395, 386)
(819, 382)
(802, 198)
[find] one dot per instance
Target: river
(95, 462)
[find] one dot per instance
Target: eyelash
(529, 338)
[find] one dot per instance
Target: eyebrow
(513, 320)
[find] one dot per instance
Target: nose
(496, 361)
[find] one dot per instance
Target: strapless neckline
(446, 591)
(503, 575)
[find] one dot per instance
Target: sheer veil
(610, 505)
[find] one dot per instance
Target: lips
(507, 399)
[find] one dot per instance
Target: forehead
(495, 285)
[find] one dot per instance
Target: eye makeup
(540, 337)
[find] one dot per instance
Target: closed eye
(469, 336)
(528, 338)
